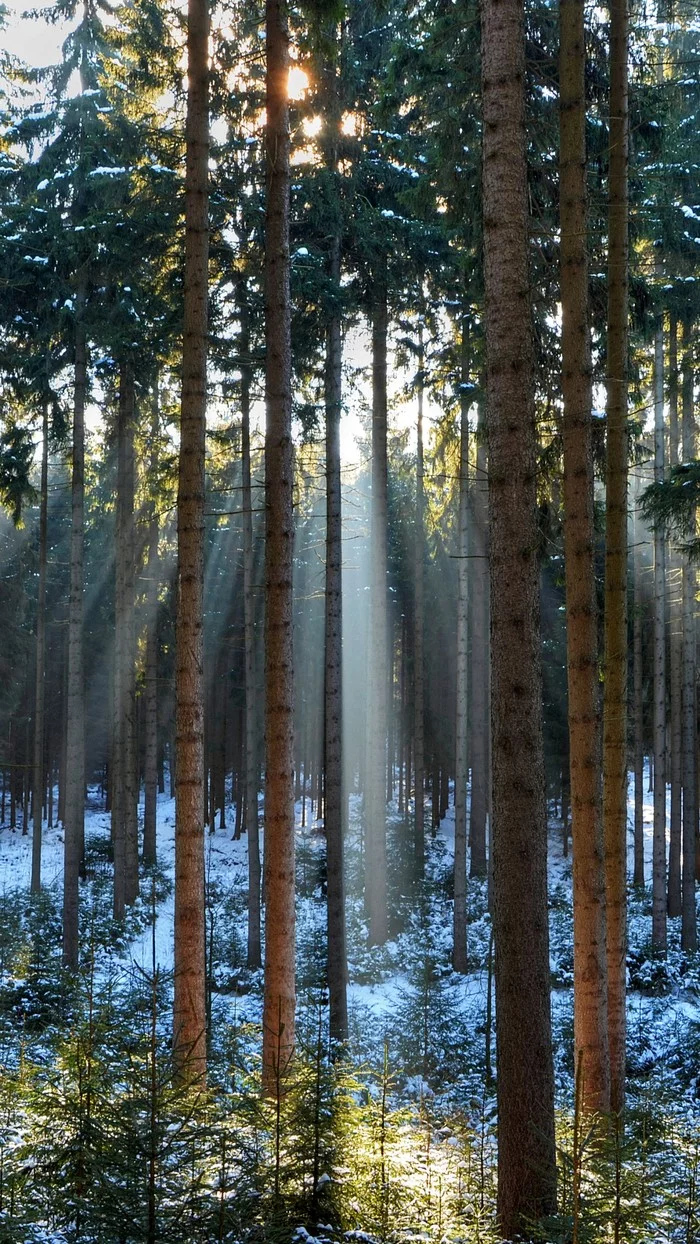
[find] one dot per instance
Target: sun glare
(298, 83)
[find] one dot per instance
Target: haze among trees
(349, 837)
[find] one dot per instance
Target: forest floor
(421, 1038)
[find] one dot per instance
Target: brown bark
(638, 690)
(75, 717)
(150, 780)
(189, 1011)
(675, 609)
(40, 664)
(418, 642)
(459, 934)
(377, 677)
(279, 999)
(689, 936)
(615, 641)
(480, 729)
(527, 1160)
(658, 874)
(590, 986)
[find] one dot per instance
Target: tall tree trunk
(459, 935)
(638, 689)
(527, 1156)
(75, 718)
(189, 1011)
(125, 807)
(418, 639)
(40, 671)
(377, 682)
(254, 954)
(689, 937)
(590, 983)
(150, 781)
(615, 651)
(658, 876)
(675, 594)
(279, 999)
(333, 717)
(480, 731)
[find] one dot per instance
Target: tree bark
(590, 984)
(675, 595)
(615, 630)
(527, 1158)
(73, 829)
(418, 640)
(689, 937)
(377, 677)
(279, 998)
(254, 954)
(480, 731)
(638, 690)
(189, 1011)
(658, 876)
(459, 933)
(40, 670)
(151, 692)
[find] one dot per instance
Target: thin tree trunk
(125, 799)
(658, 876)
(689, 939)
(75, 720)
(189, 1011)
(151, 694)
(377, 683)
(40, 673)
(459, 934)
(675, 594)
(638, 878)
(279, 999)
(254, 956)
(333, 717)
(479, 670)
(590, 984)
(418, 639)
(615, 650)
(527, 1156)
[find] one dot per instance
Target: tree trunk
(151, 692)
(124, 759)
(615, 650)
(527, 1156)
(189, 1011)
(418, 639)
(279, 999)
(689, 938)
(377, 681)
(638, 878)
(459, 935)
(254, 956)
(40, 672)
(590, 984)
(479, 671)
(73, 829)
(333, 718)
(675, 594)
(658, 876)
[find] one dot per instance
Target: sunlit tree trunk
(252, 823)
(590, 984)
(688, 914)
(189, 1011)
(151, 671)
(526, 1148)
(418, 637)
(658, 876)
(459, 934)
(638, 690)
(377, 678)
(75, 718)
(615, 650)
(279, 998)
(40, 667)
(675, 610)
